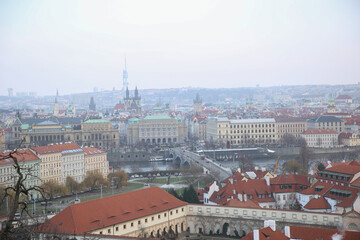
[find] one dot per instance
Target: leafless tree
(19, 194)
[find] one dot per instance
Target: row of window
(251, 126)
(145, 221)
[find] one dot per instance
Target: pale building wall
(146, 225)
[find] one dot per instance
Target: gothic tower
(197, 104)
(92, 105)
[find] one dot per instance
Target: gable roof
(99, 213)
(317, 203)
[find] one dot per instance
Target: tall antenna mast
(125, 79)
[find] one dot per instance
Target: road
(209, 164)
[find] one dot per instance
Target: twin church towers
(133, 103)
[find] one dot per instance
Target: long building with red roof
(124, 214)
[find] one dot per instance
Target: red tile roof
(99, 213)
(312, 233)
(92, 151)
(55, 148)
(297, 183)
(252, 187)
(347, 135)
(317, 203)
(343, 97)
(344, 168)
(266, 234)
(327, 190)
(322, 188)
(319, 131)
(119, 106)
(290, 179)
(237, 203)
(21, 156)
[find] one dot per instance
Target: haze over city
(75, 46)
(189, 120)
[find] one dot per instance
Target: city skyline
(76, 46)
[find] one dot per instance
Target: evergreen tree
(174, 193)
(190, 195)
(321, 167)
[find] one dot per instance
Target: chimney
(231, 181)
(267, 179)
(239, 170)
(256, 234)
(271, 224)
(287, 231)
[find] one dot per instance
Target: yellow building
(241, 132)
(58, 161)
(96, 160)
(51, 160)
(290, 129)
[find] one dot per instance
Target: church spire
(136, 93)
(127, 93)
(57, 95)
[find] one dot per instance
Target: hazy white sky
(77, 45)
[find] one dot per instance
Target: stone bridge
(179, 158)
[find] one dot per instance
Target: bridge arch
(177, 161)
(186, 164)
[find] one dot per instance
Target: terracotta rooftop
(92, 151)
(99, 213)
(344, 168)
(343, 97)
(237, 203)
(21, 156)
(55, 148)
(290, 179)
(266, 234)
(317, 203)
(312, 233)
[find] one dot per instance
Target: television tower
(125, 80)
